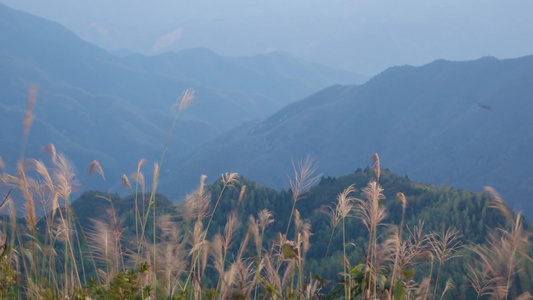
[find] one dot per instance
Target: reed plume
(444, 246)
(304, 179)
(125, 181)
(376, 165)
(28, 118)
(94, 166)
(51, 149)
(185, 99)
(371, 213)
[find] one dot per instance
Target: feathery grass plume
(201, 187)
(231, 226)
(141, 162)
(340, 211)
(371, 213)
(61, 230)
(494, 261)
(304, 233)
(479, 279)
(125, 181)
(169, 228)
(28, 118)
(171, 256)
(499, 204)
(50, 148)
(304, 178)
(2, 165)
(376, 166)
(104, 241)
(518, 240)
(95, 167)
(196, 246)
(422, 291)
(64, 177)
(138, 177)
(311, 290)
(524, 296)
(401, 197)
(230, 179)
(155, 180)
(195, 205)
(43, 171)
(227, 280)
(185, 99)
(243, 281)
(515, 240)
(244, 244)
(55, 204)
(413, 249)
(449, 285)
(369, 210)
(253, 227)
(342, 207)
(264, 218)
(242, 194)
(444, 246)
(29, 205)
(272, 280)
(217, 253)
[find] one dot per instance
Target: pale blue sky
(360, 36)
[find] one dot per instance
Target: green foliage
(125, 285)
(8, 276)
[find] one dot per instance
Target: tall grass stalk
(401, 197)
(185, 99)
(303, 179)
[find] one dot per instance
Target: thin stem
(347, 289)
(195, 258)
(437, 280)
(290, 218)
(327, 250)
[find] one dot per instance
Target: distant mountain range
(467, 124)
(94, 105)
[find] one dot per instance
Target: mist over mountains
(361, 36)
(94, 105)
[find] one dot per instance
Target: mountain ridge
(423, 121)
(91, 102)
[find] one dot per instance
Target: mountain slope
(94, 105)
(466, 123)
(436, 208)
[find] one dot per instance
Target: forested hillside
(427, 208)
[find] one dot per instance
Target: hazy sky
(360, 36)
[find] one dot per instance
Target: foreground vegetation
(369, 235)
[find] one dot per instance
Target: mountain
(428, 207)
(467, 124)
(94, 105)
